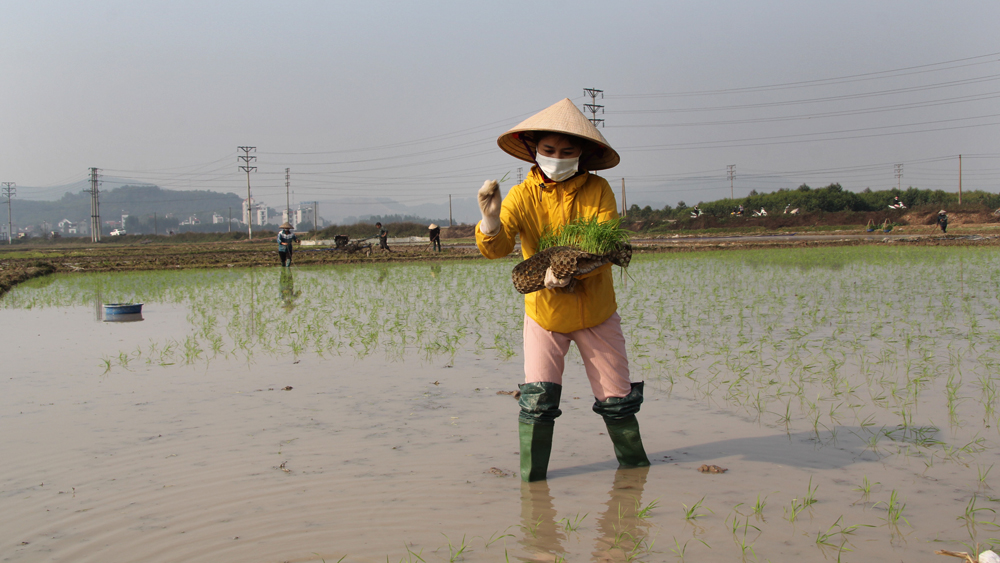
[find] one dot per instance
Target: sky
(405, 100)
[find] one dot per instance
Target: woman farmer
(564, 147)
(435, 234)
(285, 239)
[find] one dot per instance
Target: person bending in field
(942, 221)
(564, 147)
(435, 235)
(285, 239)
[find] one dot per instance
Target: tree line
(830, 199)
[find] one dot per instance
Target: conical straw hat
(561, 117)
(432, 226)
(285, 225)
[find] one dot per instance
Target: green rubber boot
(539, 404)
(536, 444)
(628, 443)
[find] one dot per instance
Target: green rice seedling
(810, 497)
(495, 538)
(456, 552)
(758, 508)
(589, 235)
(982, 476)
(692, 512)
(533, 528)
(574, 524)
(865, 489)
(621, 534)
(643, 512)
(894, 511)
(970, 515)
(741, 539)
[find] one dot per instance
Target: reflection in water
(286, 288)
(538, 520)
(383, 273)
(622, 529)
(435, 270)
(98, 304)
(619, 528)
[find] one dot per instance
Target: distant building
(192, 220)
(67, 227)
(304, 214)
(247, 206)
(216, 219)
(262, 218)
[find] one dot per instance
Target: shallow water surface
(354, 411)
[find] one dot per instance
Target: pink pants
(602, 348)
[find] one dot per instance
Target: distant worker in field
(435, 233)
(564, 147)
(383, 237)
(285, 239)
(942, 221)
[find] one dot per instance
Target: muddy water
(119, 451)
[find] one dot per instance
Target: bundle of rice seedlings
(588, 235)
(575, 249)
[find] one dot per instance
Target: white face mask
(558, 169)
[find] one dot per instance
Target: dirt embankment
(15, 273)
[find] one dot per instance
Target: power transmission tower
(592, 107)
(731, 170)
(899, 176)
(247, 159)
(95, 207)
(288, 204)
(9, 189)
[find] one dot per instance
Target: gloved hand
(552, 281)
(489, 205)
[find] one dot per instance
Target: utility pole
(592, 107)
(9, 189)
(960, 179)
(95, 208)
(155, 231)
(288, 204)
(449, 209)
(624, 202)
(731, 170)
(247, 159)
(316, 217)
(899, 176)
(230, 219)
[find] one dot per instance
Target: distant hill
(133, 200)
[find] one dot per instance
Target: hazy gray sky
(406, 99)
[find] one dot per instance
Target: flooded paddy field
(360, 412)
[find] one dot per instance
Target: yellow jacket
(530, 207)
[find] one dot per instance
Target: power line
(823, 81)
